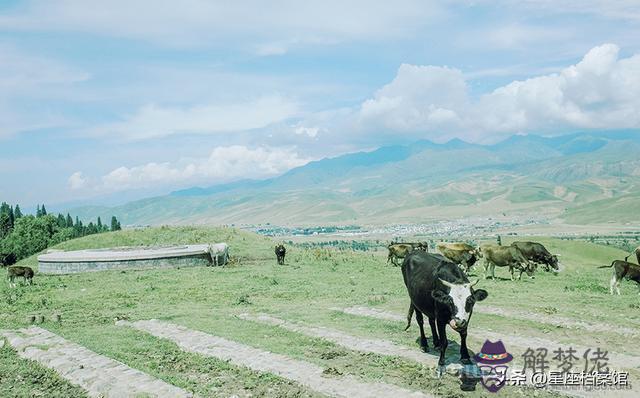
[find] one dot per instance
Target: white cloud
(34, 78)
(222, 165)
(614, 9)
(203, 22)
(77, 181)
(419, 97)
(601, 91)
(308, 131)
(156, 121)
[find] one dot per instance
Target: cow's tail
(409, 317)
(607, 266)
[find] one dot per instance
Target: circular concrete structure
(61, 262)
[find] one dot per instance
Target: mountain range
(584, 178)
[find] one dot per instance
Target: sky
(111, 101)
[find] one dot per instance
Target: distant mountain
(563, 177)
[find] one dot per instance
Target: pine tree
(114, 223)
(5, 225)
(62, 222)
(69, 221)
(99, 225)
(17, 213)
(91, 228)
(38, 211)
(43, 210)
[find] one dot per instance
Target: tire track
(627, 361)
(356, 343)
(304, 373)
(99, 375)
(491, 310)
(559, 321)
(621, 360)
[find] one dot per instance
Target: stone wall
(90, 266)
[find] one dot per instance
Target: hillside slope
(419, 182)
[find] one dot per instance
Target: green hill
(245, 245)
(305, 290)
(415, 183)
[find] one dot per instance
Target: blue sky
(122, 99)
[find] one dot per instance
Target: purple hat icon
(493, 353)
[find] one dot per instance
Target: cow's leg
(464, 352)
(442, 334)
(486, 268)
(423, 340)
(615, 283)
(612, 283)
(434, 332)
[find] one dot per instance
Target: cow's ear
(480, 294)
(440, 296)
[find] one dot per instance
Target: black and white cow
(280, 251)
(440, 290)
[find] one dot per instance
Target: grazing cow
(460, 253)
(219, 253)
(506, 256)
(281, 251)
(400, 250)
(440, 290)
(537, 253)
(15, 271)
(623, 270)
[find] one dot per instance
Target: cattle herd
(519, 256)
(439, 287)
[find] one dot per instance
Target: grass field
(305, 289)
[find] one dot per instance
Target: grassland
(305, 289)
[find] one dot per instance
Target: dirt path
(304, 373)
(538, 318)
(99, 375)
(616, 359)
(622, 360)
(375, 346)
(555, 320)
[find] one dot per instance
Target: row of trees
(23, 235)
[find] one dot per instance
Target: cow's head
(459, 300)
(555, 263)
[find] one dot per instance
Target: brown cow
(506, 256)
(400, 250)
(15, 271)
(623, 269)
(460, 253)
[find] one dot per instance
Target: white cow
(219, 253)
